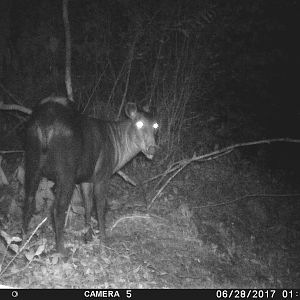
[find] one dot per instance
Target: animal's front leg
(100, 200)
(86, 189)
(64, 192)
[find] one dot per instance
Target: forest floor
(218, 224)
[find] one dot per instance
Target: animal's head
(143, 129)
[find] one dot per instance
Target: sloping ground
(204, 231)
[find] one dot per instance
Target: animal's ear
(131, 110)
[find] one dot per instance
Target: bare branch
(134, 217)
(10, 94)
(16, 107)
(180, 165)
(126, 178)
(68, 80)
(131, 55)
(215, 154)
(167, 182)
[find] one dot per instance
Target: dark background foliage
(229, 67)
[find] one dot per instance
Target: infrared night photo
(150, 145)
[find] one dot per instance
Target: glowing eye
(139, 124)
(155, 125)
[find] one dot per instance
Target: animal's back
(51, 132)
(58, 130)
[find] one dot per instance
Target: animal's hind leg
(32, 180)
(86, 189)
(64, 191)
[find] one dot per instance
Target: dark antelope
(69, 148)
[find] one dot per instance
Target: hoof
(57, 258)
(88, 236)
(61, 256)
(63, 252)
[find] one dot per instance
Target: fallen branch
(126, 178)
(129, 217)
(180, 165)
(185, 163)
(167, 182)
(146, 216)
(16, 107)
(210, 156)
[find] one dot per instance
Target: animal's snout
(150, 151)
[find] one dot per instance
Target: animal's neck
(124, 145)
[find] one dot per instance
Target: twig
(17, 107)
(180, 165)
(225, 150)
(68, 78)
(17, 272)
(147, 216)
(131, 55)
(68, 212)
(115, 83)
(11, 151)
(22, 248)
(95, 88)
(11, 95)
(188, 161)
(126, 178)
(247, 196)
(166, 183)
